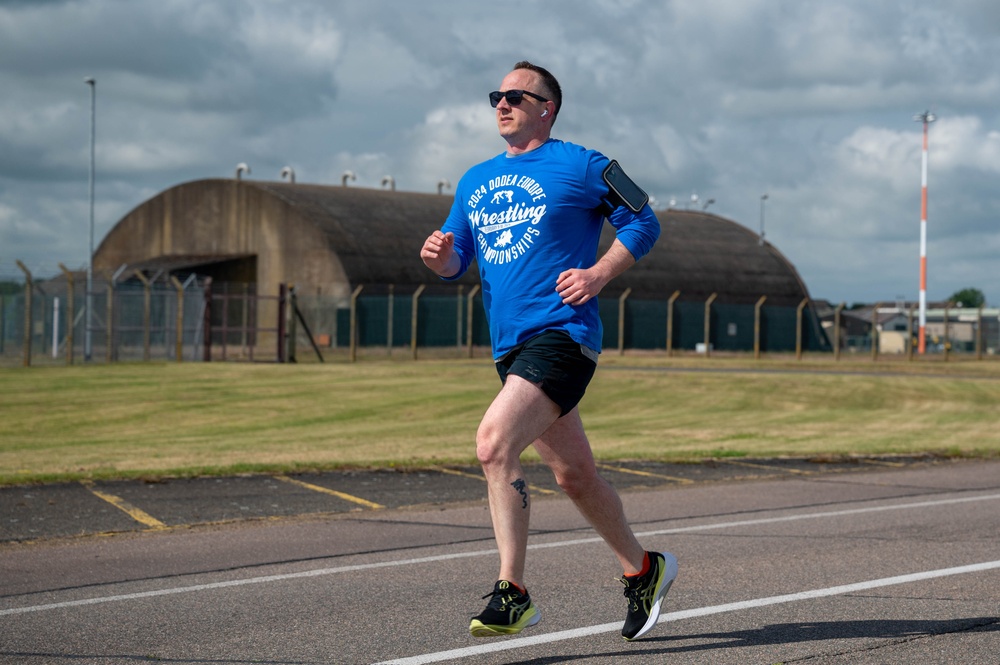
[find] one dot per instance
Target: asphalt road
(35, 512)
(801, 564)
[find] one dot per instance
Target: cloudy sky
(809, 102)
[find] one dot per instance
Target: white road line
(476, 553)
(588, 631)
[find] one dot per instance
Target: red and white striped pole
(927, 118)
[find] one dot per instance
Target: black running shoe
(645, 593)
(508, 612)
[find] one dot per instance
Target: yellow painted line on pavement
(463, 474)
(121, 504)
(646, 474)
(878, 462)
(327, 490)
(766, 466)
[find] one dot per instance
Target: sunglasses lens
(514, 97)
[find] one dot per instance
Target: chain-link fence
(136, 319)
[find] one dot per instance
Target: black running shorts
(561, 367)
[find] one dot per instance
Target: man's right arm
(438, 254)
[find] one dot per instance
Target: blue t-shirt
(527, 218)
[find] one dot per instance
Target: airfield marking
(645, 474)
(878, 462)
(326, 490)
(766, 466)
(121, 504)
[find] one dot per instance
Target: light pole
(87, 348)
(763, 198)
(927, 118)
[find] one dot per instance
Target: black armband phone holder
(622, 190)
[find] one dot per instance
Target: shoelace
(634, 594)
(499, 598)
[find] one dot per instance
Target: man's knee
(578, 481)
(490, 448)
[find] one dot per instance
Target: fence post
(468, 315)
(875, 336)
(207, 321)
(947, 333)
(293, 328)
(354, 321)
(224, 317)
(28, 291)
(458, 316)
(621, 320)
(245, 327)
(909, 334)
(708, 324)
(756, 326)
(250, 306)
(798, 328)
(55, 327)
(979, 334)
(390, 316)
(836, 330)
(670, 323)
(109, 312)
(70, 320)
(282, 320)
(146, 306)
(414, 319)
(179, 348)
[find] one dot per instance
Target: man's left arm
(636, 234)
(578, 285)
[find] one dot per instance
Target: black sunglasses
(513, 97)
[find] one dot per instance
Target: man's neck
(514, 149)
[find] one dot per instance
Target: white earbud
(545, 113)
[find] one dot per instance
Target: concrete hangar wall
(328, 239)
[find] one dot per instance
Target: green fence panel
(645, 324)
(439, 318)
(480, 326)
(732, 327)
(689, 324)
(608, 311)
(777, 329)
(373, 321)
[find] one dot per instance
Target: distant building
(330, 241)
(958, 328)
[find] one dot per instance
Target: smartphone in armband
(622, 189)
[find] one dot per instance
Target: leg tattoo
(519, 486)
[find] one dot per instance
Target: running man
(531, 217)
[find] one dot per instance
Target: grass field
(127, 420)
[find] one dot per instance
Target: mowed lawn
(159, 419)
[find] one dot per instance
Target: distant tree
(968, 298)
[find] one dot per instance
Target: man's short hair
(552, 87)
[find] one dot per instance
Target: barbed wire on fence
(133, 317)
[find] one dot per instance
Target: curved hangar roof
(329, 239)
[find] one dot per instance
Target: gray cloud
(811, 103)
